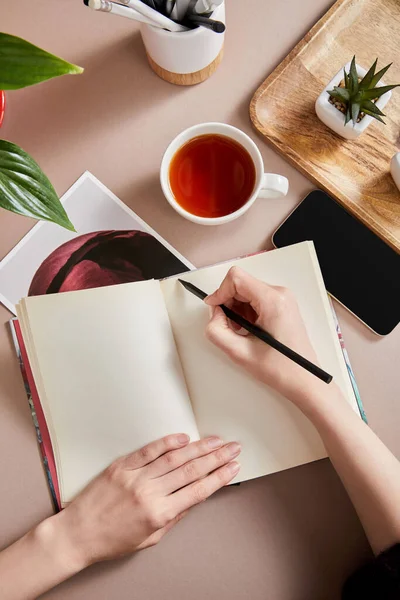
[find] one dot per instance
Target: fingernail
(234, 449)
(214, 442)
(233, 467)
(182, 438)
(242, 331)
(237, 328)
(206, 300)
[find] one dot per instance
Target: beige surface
(291, 536)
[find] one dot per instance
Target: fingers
(158, 535)
(219, 332)
(241, 286)
(176, 458)
(201, 490)
(151, 452)
(161, 532)
(198, 468)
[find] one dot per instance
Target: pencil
(263, 336)
(216, 26)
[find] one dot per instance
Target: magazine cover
(111, 245)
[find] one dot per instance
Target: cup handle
(273, 186)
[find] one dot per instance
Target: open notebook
(119, 366)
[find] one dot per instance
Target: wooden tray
(357, 172)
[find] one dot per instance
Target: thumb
(220, 333)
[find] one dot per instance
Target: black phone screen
(359, 269)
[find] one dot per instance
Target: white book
(117, 367)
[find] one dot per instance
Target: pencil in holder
(184, 57)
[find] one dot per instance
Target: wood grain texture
(356, 173)
(186, 78)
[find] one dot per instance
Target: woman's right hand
(275, 310)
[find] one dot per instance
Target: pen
(206, 6)
(216, 26)
(158, 18)
(180, 9)
(190, 8)
(264, 336)
(150, 3)
(157, 5)
(117, 9)
(169, 5)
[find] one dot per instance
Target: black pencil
(264, 336)
(216, 26)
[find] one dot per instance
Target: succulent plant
(358, 96)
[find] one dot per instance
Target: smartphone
(359, 269)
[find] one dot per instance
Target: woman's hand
(140, 497)
(368, 470)
(130, 506)
(275, 310)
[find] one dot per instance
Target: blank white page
(226, 400)
(108, 375)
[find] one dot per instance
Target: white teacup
(267, 185)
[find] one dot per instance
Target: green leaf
(340, 94)
(25, 189)
(23, 64)
(372, 107)
(357, 97)
(347, 118)
(365, 83)
(346, 79)
(353, 77)
(378, 76)
(375, 116)
(355, 111)
(377, 92)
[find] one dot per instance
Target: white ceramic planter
(395, 169)
(334, 119)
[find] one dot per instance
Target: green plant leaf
(378, 76)
(347, 118)
(355, 111)
(375, 116)
(365, 83)
(353, 77)
(377, 92)
(23, 64)
(372, 107)
(346, 79)
(357, 97)
(340, 94)
(25, 189)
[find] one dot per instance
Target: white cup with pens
(186, 57)
(184, 39)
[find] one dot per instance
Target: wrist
(40, 560)
(55, 540)
(316, 399)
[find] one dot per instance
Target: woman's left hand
(128, 507)
(140, 497)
